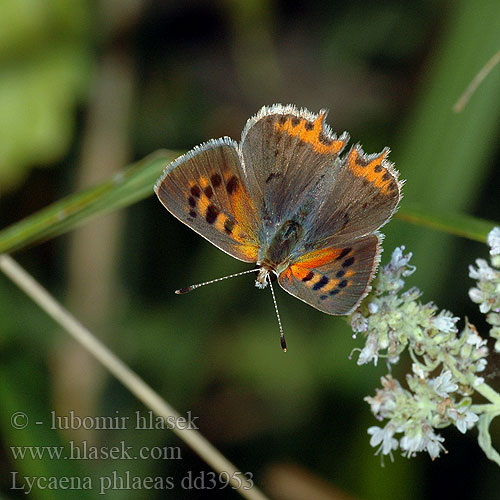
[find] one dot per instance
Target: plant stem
(124, 374)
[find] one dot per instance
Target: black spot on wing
(327, 141)
(216, 180)
(228, 226)
(309, 276)
(348, 262)
(321, 283)
(232, 184)
(360, 161)
(344, 252)
(212, 214)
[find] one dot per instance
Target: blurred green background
(88, 87)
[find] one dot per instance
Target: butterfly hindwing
(205, 189)
(333, 280)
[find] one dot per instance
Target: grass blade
(125, 188)
(462, 225)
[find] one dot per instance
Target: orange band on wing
(312, 133)
(249, 251)
(235, 217)
(301, 268)
(317, 258)
(310, 279)
(372, 170)
(245, 215)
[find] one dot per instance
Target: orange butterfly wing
(205, 189)
(333, 280)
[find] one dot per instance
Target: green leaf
(484, 438)
(125, 188)
(466, 226)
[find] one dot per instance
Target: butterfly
(285, 199)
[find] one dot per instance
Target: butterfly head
(264, 275)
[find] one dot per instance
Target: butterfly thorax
(275, 256)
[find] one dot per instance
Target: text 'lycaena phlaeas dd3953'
(285, 199)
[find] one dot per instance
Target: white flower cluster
(428, 404)
(447, 363)
(486, 293)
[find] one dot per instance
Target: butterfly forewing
(333, 280)
(363, 197)
(205, 189)
(285, 153)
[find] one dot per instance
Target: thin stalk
(126, 376)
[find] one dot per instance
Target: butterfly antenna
(282, 335)
(193, 287)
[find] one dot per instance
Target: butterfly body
(285, 199)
